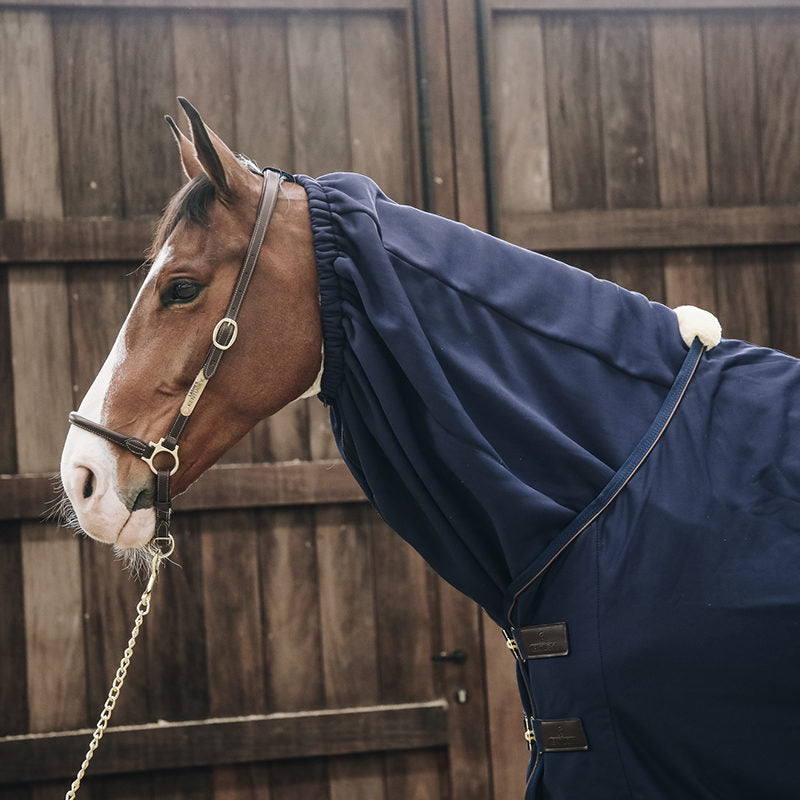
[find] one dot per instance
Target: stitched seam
(520, 323)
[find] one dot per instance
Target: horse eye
(180, 292)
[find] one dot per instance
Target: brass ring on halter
(158, 447)
(164, 544)
(217, 327)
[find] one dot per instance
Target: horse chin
(137, 530)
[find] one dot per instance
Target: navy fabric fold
(481, 394)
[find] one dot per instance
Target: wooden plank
(629, 157)
(177, 660)
(731, 101)
(233, 632)
(626, 107)
(778, 65)
(378, 102)
(233, 622)
(680, 127)
(93, 240)
(679, 107)
(78, 239)
(634, 229)
(573, 112)
(150, 171)
(437, 118)
(465, 94)
(777, 43)
(86, 97)
(319, 103)
(50, 560)
(29, 496)
(169, 745)
(13, 680)
(349, 636)
(522, 157)
(294, 681)
(637, 5)
(221, 5)
(405, 611)
(731, 96)
(463, 686)
(262, 113)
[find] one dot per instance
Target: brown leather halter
(222, 338)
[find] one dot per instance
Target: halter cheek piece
(223, 336)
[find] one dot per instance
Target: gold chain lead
(142, 609)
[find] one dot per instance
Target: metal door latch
(458, 656)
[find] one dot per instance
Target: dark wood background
(289, 653)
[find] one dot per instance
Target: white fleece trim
(693, 321)
(315, 387)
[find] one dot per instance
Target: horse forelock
(191, 203)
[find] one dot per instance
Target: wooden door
(289, 650)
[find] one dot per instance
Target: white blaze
(88, 462)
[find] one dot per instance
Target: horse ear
(215, 157)
(191, 166)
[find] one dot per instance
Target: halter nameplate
(193, 395)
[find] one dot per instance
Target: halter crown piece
(162, 545)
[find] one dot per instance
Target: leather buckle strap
(226, 330)
(132, 444)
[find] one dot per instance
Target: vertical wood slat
(573, 112)
(349, 636)
(40, 357)
(376, 84)
(679, 107)
(778, 65)
(292, 636)
(520, 114)
(468, 147)
(404, 610)
(150, 173)
(628, 139)
(437, 79)
(731, 103)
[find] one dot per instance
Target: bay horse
(613, 482)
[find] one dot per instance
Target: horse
(611, 480)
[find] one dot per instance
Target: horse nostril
(88, 484)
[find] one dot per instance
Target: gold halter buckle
(218, 326)
(158, 447)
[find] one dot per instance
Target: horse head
(200, 243)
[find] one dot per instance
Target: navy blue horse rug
(626, 507)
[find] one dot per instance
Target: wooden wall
(655, 143)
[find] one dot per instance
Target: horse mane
(191, 203)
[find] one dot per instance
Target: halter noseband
(223, 336)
